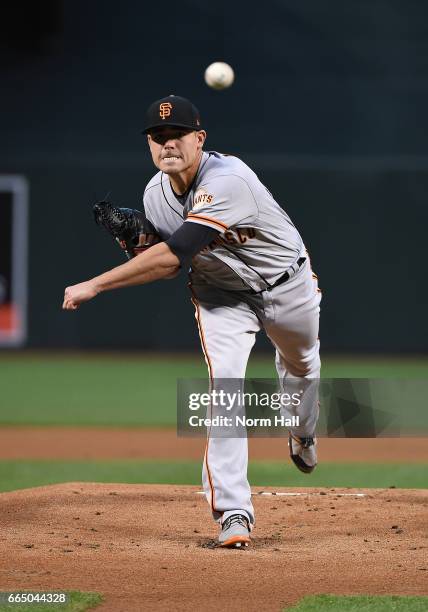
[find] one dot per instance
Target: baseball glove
(129, 227)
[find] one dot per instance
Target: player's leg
(292, 323)
(227, 329)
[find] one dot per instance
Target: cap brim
(180, 125)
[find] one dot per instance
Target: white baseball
(219, 75)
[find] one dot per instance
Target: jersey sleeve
(222, 203)
(147, 208)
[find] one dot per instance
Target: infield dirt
(24, 442)
(149, 547)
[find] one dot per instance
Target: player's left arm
(224, 203)
(162, 260)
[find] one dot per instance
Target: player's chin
(173, 165)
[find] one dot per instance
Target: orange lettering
(165, 109)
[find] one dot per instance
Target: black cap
(172, 111)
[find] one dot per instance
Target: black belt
(282, 279)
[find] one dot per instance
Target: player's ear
(201, 136)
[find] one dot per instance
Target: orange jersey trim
(214, 222)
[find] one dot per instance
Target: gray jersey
(257, 243)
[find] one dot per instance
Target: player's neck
(182, 181)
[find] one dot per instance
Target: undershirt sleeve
(189, 239)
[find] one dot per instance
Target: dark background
(328, 107)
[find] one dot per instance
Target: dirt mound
(147, 547)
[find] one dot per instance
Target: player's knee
(229, 369)
(228, 373)
(306, 365)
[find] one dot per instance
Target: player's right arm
(159, 261)
(189, 240)
(155, 263)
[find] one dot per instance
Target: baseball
(219, 75)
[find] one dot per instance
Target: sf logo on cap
(165, 109)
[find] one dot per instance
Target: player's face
(175, 150)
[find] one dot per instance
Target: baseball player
(249, 270)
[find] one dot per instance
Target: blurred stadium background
(329, 107)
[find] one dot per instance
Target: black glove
(129, 227)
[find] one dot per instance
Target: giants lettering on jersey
(201, 198)
(234, 237)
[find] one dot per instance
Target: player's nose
(169, 149)
(170, 142)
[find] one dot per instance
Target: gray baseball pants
(228, 322)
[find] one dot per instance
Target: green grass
(98, 391)
(22, 474)
(78, 602)
(360, 603)
(109, 390)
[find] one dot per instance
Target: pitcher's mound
(150, 547)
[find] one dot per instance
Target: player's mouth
(170, 158)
